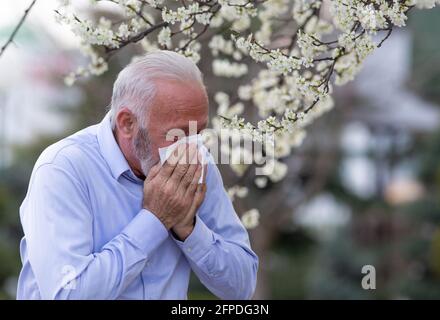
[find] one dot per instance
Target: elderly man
(103, 219)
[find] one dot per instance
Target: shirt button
(189, 249)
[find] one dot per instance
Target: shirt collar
(110, 149)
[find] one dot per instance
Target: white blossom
(285, 76)
(261, 182)
(225, 68)
(251, 218)
(275, 170)
(245, 92)
(164, 37)
(237, 191)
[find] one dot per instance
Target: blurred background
(363, 189)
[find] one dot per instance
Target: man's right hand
(169, 189)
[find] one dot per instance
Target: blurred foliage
(435, 254)
(426, 52)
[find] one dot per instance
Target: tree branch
(135, 38)
(20, 23)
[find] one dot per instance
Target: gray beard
(142, 149)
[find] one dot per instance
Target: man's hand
(184, 228)
(169, 190)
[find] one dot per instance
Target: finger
(192, 187)
(205, 173)
(200, 194)
(171, 163)
(177, 154)
(189, 175)
(184, 164)
(153, 172)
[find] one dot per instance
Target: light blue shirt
(86, 235)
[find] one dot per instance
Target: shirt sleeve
(58, 227)
(218, 248)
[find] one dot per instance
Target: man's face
(177, 106)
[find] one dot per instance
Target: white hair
(135, 86)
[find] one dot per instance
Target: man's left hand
(184, 228)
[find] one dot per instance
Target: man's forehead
(179, 91)
(181, 101)
(175, 111)
(185, 120)
(179, 117)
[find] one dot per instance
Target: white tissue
(165, 152)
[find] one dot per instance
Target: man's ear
(125, 122)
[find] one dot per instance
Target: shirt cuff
(146, 231)
(198, 243)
